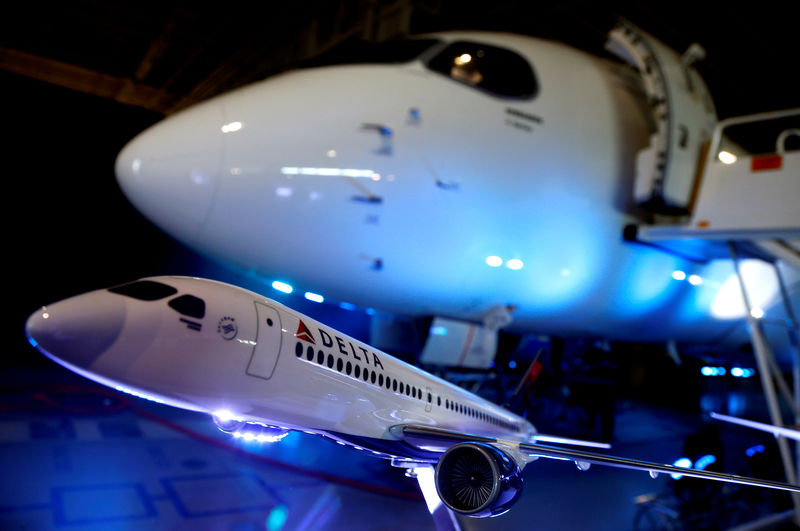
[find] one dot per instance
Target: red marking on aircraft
(304, 333)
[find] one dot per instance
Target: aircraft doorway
(268, 342)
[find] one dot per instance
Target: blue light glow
(721, 371)
(494, 261)
(753, 450)
(438, 331)
(695, 280)
(679, 275)
(33, 342)
(314, 297)
(277, 518)
(138, 394)
(737, 372)
(708, 371)
(347, 306)
(282, 286)
(370, 311)
(683, 462)
(515, 264)
(512, 364)
(704, 461)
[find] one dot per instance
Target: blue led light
(679, 275)
(314, 297)
(720, 371)
(704, 461)
(277, 518)
(753, 450)
(33, 342)
(683, 462)
(512, 364)
(708, 371)
(347, 306)
(438, 331)
(737, 372)
(282, 286)
(370, 311)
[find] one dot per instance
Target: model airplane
(261, 369)
(468, 173)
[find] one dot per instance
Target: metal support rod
(763, 353)
(794, 328)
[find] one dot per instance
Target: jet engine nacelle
(478, 480)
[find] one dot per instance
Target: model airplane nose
(77, 330)
(169, 171)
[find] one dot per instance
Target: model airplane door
(268, 345)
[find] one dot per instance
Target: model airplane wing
(431, 438)
(789, 433)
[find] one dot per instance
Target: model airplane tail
(261, 369)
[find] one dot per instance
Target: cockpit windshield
(144, 290)
(189, 305)
(364, 52)
(498, 71)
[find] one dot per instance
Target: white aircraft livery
(261, 369)
(454, 174)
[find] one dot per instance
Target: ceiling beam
(122, 90)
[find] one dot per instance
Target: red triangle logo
(304, 333)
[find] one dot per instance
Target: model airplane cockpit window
(144, 290)
(189, 305)
(498, 71)
(363, 52)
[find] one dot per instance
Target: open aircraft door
(268, 342)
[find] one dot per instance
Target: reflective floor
(76, 457)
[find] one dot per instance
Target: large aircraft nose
(77, 330)
(169, 171)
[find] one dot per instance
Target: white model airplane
(789, 433)
(471, 172)
(261, 369)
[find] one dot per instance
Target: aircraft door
(268, 342)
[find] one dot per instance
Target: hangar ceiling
(164, 56)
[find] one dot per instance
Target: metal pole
(763, 354)
(794, 328)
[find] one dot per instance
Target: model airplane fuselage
(430, 187)
(261, 369)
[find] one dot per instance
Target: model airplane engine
(478, 480)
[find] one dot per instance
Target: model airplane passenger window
(495, 70)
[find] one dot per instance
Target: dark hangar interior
(80, 79)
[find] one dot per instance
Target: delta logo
(304, 333)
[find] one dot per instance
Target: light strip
(329, 172)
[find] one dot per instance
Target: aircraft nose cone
(169, 171)
(77, 331)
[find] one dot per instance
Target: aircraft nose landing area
(77, 331)
(169, 171)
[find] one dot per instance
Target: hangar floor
(76, 457)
